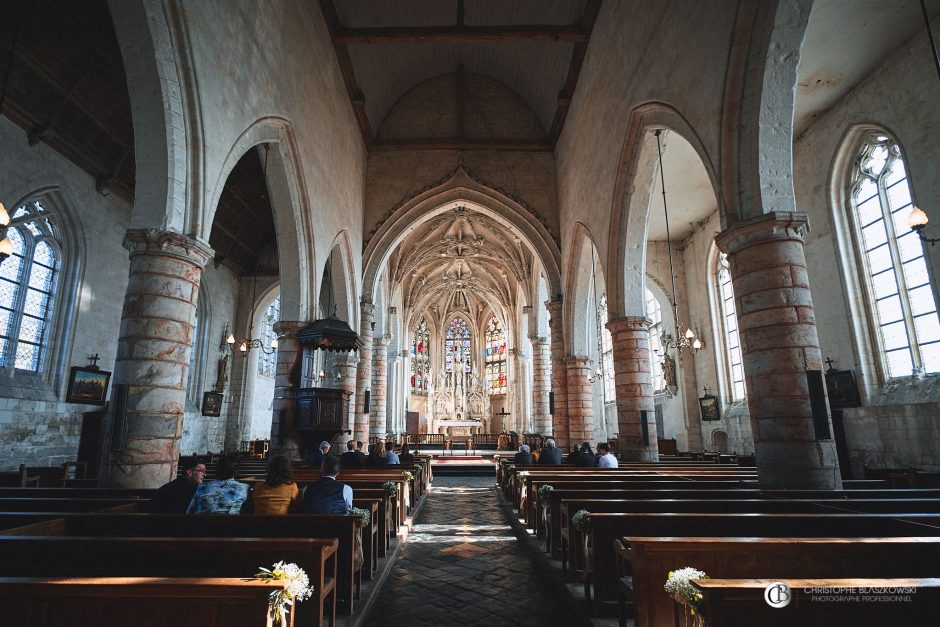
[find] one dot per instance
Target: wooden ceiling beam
(356, 97)
(548, 33)
(462, 143)
(574, 70)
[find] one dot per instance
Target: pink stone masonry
(580, 400)
(283, 441)
(541, 384)
(634, 386)
(559, 424)
(364, 372)
(378, 414)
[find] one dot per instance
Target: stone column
(634, 387)
(559, 426)
(378, 416)
(777, 325)
(364, 373)
(541, 370)
(283, 439)
(153, 352)
(580, 399)
(346, 380)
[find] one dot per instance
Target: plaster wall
(897, 425)
(36, 426)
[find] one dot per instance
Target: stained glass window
(28, 287)
(734, 366)
(420, 358)
(267, 364)
(899, 284)
(457, 345)
(607, 351)
(495, 357)
(654, 312)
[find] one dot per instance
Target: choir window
(495, 357)
(267, 364)
(607, 351)
(728, 320)
(457, 345)
(420, 362)
(654, 312)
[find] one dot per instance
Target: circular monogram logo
(777, 594)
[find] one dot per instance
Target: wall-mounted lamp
(246, 344)
(917, 220)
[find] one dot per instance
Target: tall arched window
(899, 291)
(457, 345)
(28, 281)
(495, 357)
(654, 312)
(420, 362)
(197, 355)
(728, 320)
(267, 364)
(607, 351)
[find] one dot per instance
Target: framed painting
(710, 408)
(842, 389)
(87, 385)
(212, 404)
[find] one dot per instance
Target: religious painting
(710, 408)
(87, 385)
(212, 404)
(842, 389)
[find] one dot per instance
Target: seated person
(224, 495)
(574, 457)
(605, 459)
(391, 456)
(327, 495)
(353, 457)
(524, 456)
(551, 454)
(377, 455)
(586, 457)
(407, 457)
(174, 497)
(314, 459)
(278, 493)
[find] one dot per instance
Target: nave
(465, 564)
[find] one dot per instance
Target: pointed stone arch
(578, 305)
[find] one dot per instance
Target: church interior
(697, 234)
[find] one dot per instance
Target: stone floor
(465, 564)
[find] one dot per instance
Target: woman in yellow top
(278, 493)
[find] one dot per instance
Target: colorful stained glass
(420, 358)
(495, 357)
(457, 345)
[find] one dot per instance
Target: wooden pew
(741, 602)
(648, 561)
(142, 601)
(606, 527)
(63, 556)
(78, 493)
(62, 504)
(341, 527)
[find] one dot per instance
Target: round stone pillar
(378, 415)
(154, 345)
(283, 439)
(541, 369)
(777, 326)
(559, 425)
(346, 379)
(364, 372)
(580, 400)
(634, 385)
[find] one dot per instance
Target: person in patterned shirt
(224, 495)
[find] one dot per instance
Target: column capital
(629, 323)
(382, 340)
(169, 243)
(769, 227)
(577, 360)
(537, 339)
(347, 359)
(554, 305)
(288, 328)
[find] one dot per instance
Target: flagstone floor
(464, 565)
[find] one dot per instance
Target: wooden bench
(341, 527)
(647, 561)
(741, 602)
(607, 527)
(59, 556)
(143, 601)
(62, 504)
(78, 493)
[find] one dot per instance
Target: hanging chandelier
(688, 341)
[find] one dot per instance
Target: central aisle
(463, 564)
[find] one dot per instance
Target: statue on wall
(669, 371)
(221, 379)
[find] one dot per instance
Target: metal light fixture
(688, 340)
(248, 343)
(918, 219)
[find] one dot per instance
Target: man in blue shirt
(224, 495)
(327, 495)
(391, 456)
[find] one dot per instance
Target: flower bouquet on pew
(365, 516)
(679, 586)
(391, 488)
(582, 521)
(297, 588)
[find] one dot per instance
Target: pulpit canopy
(331, 334)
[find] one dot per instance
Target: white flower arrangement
(297, 589)
(679, 586)
(523, 473)
(582, 521)
(364, 515)
(391, 488)
(408, 476)
(543, 493)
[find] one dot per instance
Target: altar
(459, 403)
(459, 428)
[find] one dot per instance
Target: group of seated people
(581, 455)
(379, 455)
(277, 494)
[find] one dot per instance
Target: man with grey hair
(550, 453)
(524, 456)
(315, 458)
